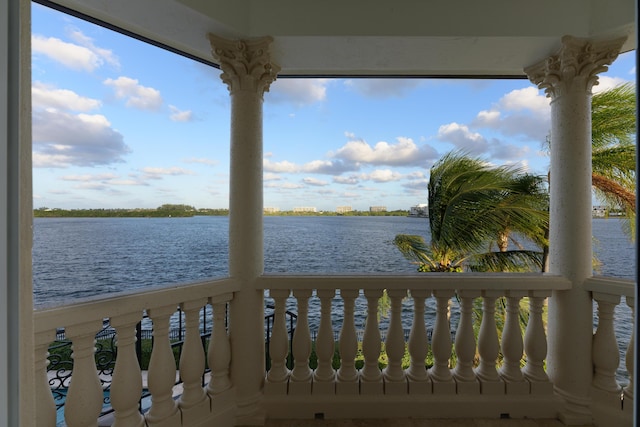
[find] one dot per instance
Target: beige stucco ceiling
(376, 37)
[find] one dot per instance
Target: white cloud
(105, 54)
(44, 96)
(62, 139)
(385, 175)
(327, 167)
(136, 95)
(351, 179)
(403, 153)
(382, 88)
(89, 177)
(83, 57)
(315, 182)
(605, 83)
(280, 167)
(522, 112)
(158, 173)
(271, 177)
(463, 138)
(300, 92)
(180, 116)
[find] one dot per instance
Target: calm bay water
(86, 257)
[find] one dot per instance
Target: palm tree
(473, 205)
(613, 126)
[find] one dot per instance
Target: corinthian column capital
(579, 61)
(246, 64)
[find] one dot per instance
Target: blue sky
(118, 123)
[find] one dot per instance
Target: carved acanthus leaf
(577, 59)
(246, 64)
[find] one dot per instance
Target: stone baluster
(161, 376)
(535, 346)
(85, 397)
(278, 375)
(605, 346)
(301, 374)
(418, 346)
(193, 402)
(370, 375)
(441, 345)
(629, 356)
(512, 346)
(219, 354)
(126, 386)
(394, 377)
(46, 407)
(347, 375)
(465, 345)
(324, 376)
(488, 347)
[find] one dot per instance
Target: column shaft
(568, 78)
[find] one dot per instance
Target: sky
(118, 123)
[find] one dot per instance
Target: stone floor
(408, 422)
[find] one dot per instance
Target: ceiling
(374, 37)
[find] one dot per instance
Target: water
(86, 257)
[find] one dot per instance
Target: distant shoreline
(181, 211)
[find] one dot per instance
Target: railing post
(278, 375)
(419, 382)
(126, 386)
(441, 346)
(301, 374)
(489, 346)
(161, 376)
(347, 375)
(219, 354)
(395, 381)
(324, 375)
(46, 407)
(605, 346)
(85, 397)
(370, 375)
(465, 345)
(194, 402)
(512, 346)
(535, 346)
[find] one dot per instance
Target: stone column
(248, 72)
(567, 77)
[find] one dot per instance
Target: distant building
(344, 209)
(599, 211)
(270, 210)
(377, 208)
(304, 209)
(421, 210)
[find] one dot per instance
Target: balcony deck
(408, 422)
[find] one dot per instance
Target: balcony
(496, 373)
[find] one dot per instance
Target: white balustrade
(605, 359)
(194, 402)
(347, 375)
(394, 377)
(85, 397)
(535, 345)
(219, 353)
(46, 410)
(513, 347)
(441, 345)
(465, 346)
(301, 374)
(161, 376)
(418, 346)
(278, 344)
(324, 375)
(126, 384)
(489, 346)
(370, 375)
